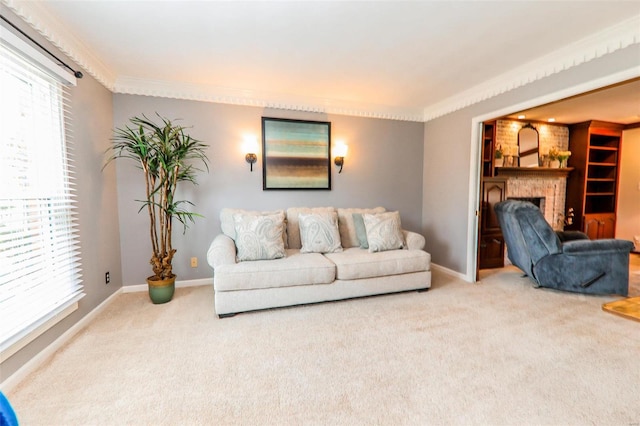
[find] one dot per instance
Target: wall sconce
(250, 146)
(340, 150)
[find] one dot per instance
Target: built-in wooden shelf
(534, 171)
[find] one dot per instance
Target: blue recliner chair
(578, 265)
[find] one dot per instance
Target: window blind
(40, 271)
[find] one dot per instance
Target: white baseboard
(186, 283)
(30, 366)
(34, 363)
(448, 271)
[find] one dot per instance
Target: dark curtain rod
(78, 74)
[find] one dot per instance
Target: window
(39, 257)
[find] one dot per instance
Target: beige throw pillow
(259, 237)
(384, 231)
(228, 226)
(319, 233)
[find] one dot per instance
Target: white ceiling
(619, 103)
(388, 58)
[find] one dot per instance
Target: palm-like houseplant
(166, 156)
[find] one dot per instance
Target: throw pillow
(384, 231)
(229, 228)
(346, 226)
(361, 231)
(319, 233)
(259, 237)
(293, 226)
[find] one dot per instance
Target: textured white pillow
(347, 225)
(259, 237)
(228, 226)
(319, 233)
(384, 231)
(293, 226)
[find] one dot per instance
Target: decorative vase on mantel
(554, 164)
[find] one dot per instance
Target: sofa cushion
(293, 225)
(356, 263)
(293, 270)
(319, 233)
(347, 227)
(227, 224)
(259, 237)
(384, 231)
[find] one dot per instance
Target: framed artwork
(296, 154)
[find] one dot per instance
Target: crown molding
(34, 14)
(225, 95)
(607, 41)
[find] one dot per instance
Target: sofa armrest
(571, 235)
(591, 247)
(222, 251)
(414, 240)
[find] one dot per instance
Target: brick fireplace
(546, 188)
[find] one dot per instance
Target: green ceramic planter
(161, 291)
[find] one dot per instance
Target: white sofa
(302, 277)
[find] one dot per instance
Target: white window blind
(40, 272)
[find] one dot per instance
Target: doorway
(478, 160)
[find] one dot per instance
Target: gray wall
(97, 209)
(383, 167)
(447, 154)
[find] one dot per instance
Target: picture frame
(296, 154)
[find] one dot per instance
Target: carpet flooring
(499, 352)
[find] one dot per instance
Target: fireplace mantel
(548, 184)
(549, 172)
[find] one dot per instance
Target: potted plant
(554, 161)
(498, 154)
(165, 154)
(563, 156)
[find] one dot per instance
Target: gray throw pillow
(361, 231)
(319, 233)
(259, 237)
(384, 231)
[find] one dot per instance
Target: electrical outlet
(107, 278)
(194, 262)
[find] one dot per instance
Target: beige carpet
(499, 353)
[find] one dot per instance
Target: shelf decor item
(554, 161)
(563, 156)
(510, 153)
(166, 156)
(499, 158)
(296, 154)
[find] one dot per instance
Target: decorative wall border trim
(224, 95)
(50, 28)
(609, 40)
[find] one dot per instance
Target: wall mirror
(528, 144)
